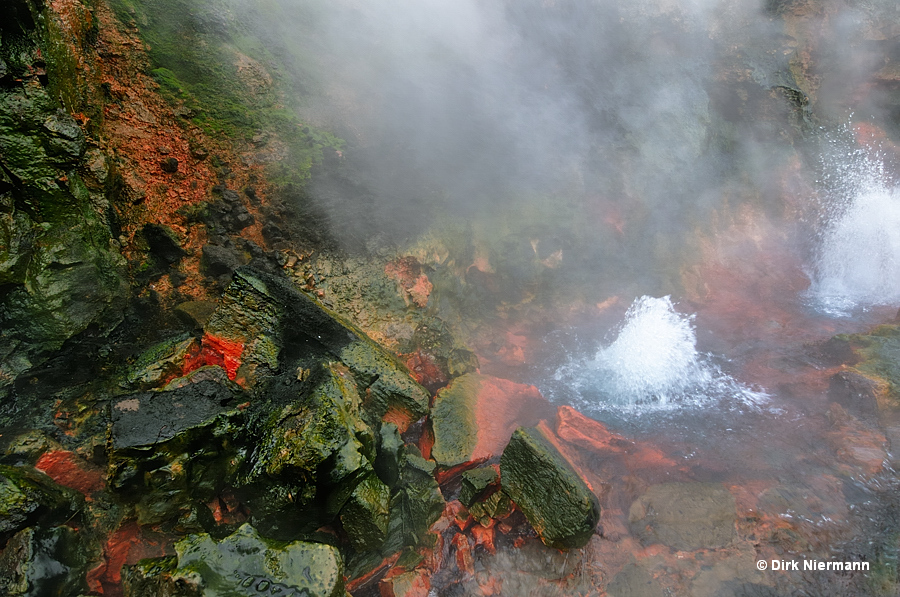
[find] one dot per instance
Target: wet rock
(173, 451)
(390, 454)
(322, 427)
(546, 488)
(415, 505)
(366, 514)
(28, 497)
(153, 576)
(266, 314)
(195, 314)
(474, 417)
(475, 483)
(245, 563)
(164, 243)
(685, 516)
(43, 562)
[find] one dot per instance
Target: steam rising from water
(653, 364)
(858, 262)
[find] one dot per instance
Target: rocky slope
(199, 358)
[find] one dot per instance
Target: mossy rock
(475, 483)
(545, 487)
(29, 497)
(366, 514)
(454, 422)
(245, 563)
(259, 305)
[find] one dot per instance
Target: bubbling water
(653, 364)
(858, 261)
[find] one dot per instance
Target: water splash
(857, 264)
(653, 364)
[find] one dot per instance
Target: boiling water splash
(653, 364)
(857, 261)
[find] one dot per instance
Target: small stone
(169, 165)
(475, 483)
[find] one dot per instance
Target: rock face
(58, 272)
(261, 313)
(554, 499)
(685, 516)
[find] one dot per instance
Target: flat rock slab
(150, 418)
(685, 516)
(246, 564)
(474, 417)
(545, 487)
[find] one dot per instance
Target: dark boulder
(545, 487)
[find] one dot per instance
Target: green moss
(209, 61)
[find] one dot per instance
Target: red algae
(127, 545)
(70, 470)
(216, 351)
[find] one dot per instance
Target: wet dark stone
(28, 497)
(164, 243)
(857, 393)
(41, 561)
(169, 165)
(218, 260)
(150, 418)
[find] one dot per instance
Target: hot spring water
(857, 264)
(651, 364)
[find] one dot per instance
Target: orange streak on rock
(355, 584)
(399, 417)
(215, 350)
(484, 536)
(464, 560)
(70, 470)
(127, 545)
(501, 407)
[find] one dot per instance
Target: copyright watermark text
(789, 565)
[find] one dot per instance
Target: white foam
(858, 260)
(653, 364)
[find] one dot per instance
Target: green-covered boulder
(319, 440)
(278, 325)
(246, 564)
(366, 514)
(29, 497)
(473, 418)
(545, 487)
